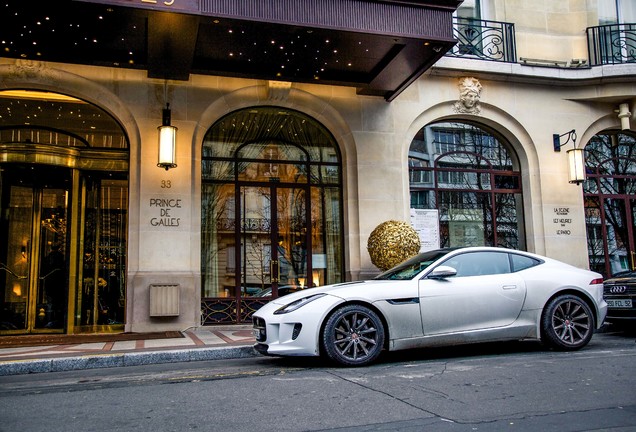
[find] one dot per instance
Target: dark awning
(379, 47)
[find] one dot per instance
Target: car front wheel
(567, 323)
(353, 336)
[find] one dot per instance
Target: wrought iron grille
(230, 310)
(611, 44)
(484, 40)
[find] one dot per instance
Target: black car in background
(620, 294)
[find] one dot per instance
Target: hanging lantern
(167, 142)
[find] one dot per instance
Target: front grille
(619, 290)
(260, 331)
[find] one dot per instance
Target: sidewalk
(205, 343)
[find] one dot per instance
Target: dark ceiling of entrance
(172, 45)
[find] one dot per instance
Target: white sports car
(441, 297)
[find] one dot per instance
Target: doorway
(34, 263)
(63, 216)
(274, 237)
(65, 250)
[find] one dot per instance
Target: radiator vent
(164, 300)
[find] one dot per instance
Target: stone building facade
(248, 210)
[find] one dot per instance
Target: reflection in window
(101, 300)
(616, 11)
(479, 264)
(609, 193)
(470, 177)
(520, 262)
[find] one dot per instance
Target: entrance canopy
(379, 47)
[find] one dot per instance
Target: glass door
(52, 265)
(100, 300)
(273, 236)
(34, 263)
(16, 221)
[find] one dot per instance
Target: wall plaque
(562, 221)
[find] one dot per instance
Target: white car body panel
(472, 300)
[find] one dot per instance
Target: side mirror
(442, 272)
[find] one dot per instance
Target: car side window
(479, 263)
(520, 262)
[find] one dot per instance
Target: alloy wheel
(568, 323)
(353, 336)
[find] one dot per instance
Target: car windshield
(413, 266)
(625, 274)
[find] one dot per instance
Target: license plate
(619, 303)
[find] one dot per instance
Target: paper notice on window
(426, 223)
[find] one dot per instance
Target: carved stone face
(469, 94)
(470, 99)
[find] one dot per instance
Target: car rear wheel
(353, 336)
(567, 323)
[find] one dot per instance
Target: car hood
(345, 290)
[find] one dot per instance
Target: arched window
(467, 175)
(610, 198)
(271, 208)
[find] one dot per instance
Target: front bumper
(292, 334)
(620, 293)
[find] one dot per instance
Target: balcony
(484, 40)
(611, 44)
(495, 41)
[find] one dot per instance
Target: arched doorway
(271, 205)
(471, 178)
(610, 202)
(63, 215)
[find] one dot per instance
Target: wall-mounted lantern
(576, 157)
(167, 142)
(624, 115)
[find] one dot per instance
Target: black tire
(353, 336)
(567, 323)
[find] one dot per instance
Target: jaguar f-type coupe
(441, 297)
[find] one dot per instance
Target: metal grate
(164, 300)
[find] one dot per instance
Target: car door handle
(509, 287)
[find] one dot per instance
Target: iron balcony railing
(612, 44)
(484, 40)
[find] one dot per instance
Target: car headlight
(298, 304)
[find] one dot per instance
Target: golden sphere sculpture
(392, 242)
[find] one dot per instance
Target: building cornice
(530, 74)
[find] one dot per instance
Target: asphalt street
(491, 387)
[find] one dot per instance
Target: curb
(61, 364)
